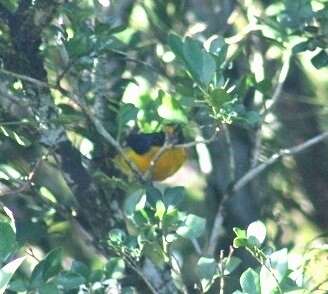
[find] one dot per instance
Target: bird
(143, 149)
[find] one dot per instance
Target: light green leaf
(257, 232)
(206, 271)
(160, 209)
(8, 271)
(278, 264)
(193, 227)
(250, 282)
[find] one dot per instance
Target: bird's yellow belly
(166, 165)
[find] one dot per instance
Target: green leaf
(200, 63)
(49, 288)
(278, 264)
(219, 48)
(127, 113)
(7, 271)
(257, 232)
(218, 97)
(19, 285)
(153, 195)
(231, 264)
(320, 60)
(70, 280)
(250, 282)
(173, 196)
(176, 44)
(239, 242)
(11, 5)
(115, 268)
(47, 268)
(7, 241)
(171, 219)
(240, 233)
(80, 268)
(155, 252)
(193, 227)
(116, 237)
(301, 47)
(136, 201)
(206, 270)
(160, 209)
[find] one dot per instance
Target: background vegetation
(247, 81)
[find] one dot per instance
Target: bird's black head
(141, 143)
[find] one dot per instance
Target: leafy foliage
(77, 77)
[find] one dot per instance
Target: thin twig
(232, 167)
(249, 176)
(275, 97)
(29, 178)
(99, 127)
(167, 145)
(252, 173)
(221, 268)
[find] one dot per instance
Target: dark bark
(300, 123)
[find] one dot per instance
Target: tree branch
(249, 176)
(275, 97)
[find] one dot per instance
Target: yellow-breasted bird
(142, 148)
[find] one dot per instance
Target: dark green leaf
(115, 268)
(218, 97)
(176, 44)
(11, 5)
(80, 268)
(301, 47)
(47, 268)
(70, 280)
(153, 195)
(7, 241)
(173, 196)
(231, 264)
(200, 63)
(136, 201)
(320, 60)
(49, 288)
(127, 113)
(19, 285)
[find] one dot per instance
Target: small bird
(143, 148)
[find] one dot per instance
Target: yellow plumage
(166, 165)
